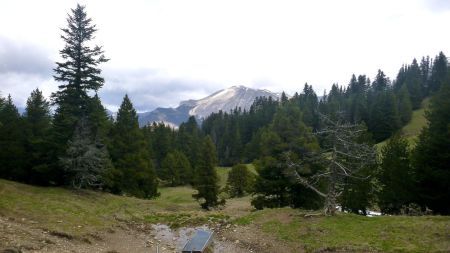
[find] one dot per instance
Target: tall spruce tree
(87, 160)
(79, 73)
(206, 182)
(176, 168)
(404, 105)
(134, 172)
(239, 180)
(439, 73)
(38, 124)
(287, 133)
(12, 151)
(395, 176)
(432, 154)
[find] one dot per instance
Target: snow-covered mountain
(225, 100)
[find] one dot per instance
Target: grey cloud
(24, 58)
(24, 67)
(149, 89)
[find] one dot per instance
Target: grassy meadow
(80, 212)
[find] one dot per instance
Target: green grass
(348, 232)
(412, 130)
(64, 210)
(418, 121)
(222, 172)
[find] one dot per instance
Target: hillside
(38, 219)
(412, 130)
(222, 100)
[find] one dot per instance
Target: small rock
(237, 241)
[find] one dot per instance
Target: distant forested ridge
(80, 146)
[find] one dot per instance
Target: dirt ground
(26, 236)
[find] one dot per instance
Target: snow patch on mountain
(224, 100)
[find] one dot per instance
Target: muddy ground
(22, 235)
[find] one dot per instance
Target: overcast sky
(165, 51)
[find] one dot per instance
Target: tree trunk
(330, 200)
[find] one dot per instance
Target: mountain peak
(223, 100)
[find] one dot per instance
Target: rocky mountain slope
(225, 100)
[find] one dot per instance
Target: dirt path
(26, 236)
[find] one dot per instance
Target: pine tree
(189, 141)
(395, 176)
(78, 73)
(184, 167)
(439, 73)
(404, 105)
(432, 154)
(170, 170)
(38, 124)
(413, 83)
(12, 152)
(86, 161)
(384, 119)
(287, 133)
(239, 180)
(99, 120)
(206, 176)
(381, 82)
(134, 173)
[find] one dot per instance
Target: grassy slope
(412, 130)
(65, 210)
(348, 232)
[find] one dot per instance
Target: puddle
(177, 238)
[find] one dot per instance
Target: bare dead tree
(343, 157)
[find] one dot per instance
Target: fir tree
(381, 82)
(133, 167)
(439, 73)
(38, 124)
(395, 176)
(12, 151)
(239, 180)
(432, 154)
(78, 73)
(86, 161)
(169, 170)
(404, 105)
(206, 176)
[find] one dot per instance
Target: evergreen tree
(99, 121)
(78, 73)
(287, 133)
(239, 180)
(432, 154)
(176, 169)
(396, 176)
(134, 173)
(184, 167)
(384, 118)
(381, 82)
(12, 152)
(439, 72)
(413, 83)
(86, 161)
(38, 124)
(189, 141)
(404, 105)
(206, 175)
